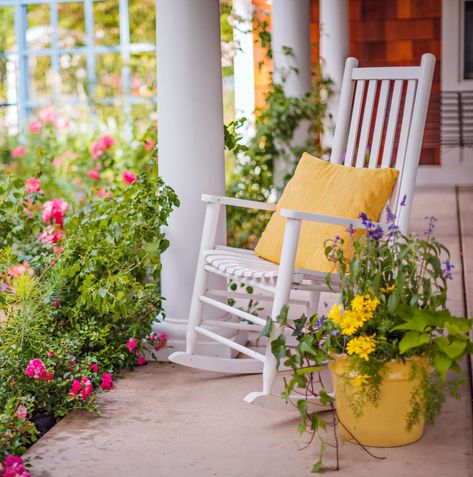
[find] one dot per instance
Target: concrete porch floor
(172, 421)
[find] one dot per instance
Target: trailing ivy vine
(273, 140)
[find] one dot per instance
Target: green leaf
(413, 339)
(393, 303)
(442, 364)
(452, 350)
(309, 370)
(267, 328)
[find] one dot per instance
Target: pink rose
(75, 388)
(94, 368)
(102, 192)
(141, 360)
(160, 339)
(100, 145)
(51, 235)
(21, 411)
(33, 185)
(37, 370)
(18, 151)
(131, 345)
(21, 269)
(86, 388)
(50, 354)
(35, 127)
(54, 209)
(93, 175)
(57, 303)
(57, 162)
(61, 123)
(107, 381)
(128, 177)
(13, 467)
(149, 144)
(48, 115)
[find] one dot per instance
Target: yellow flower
(388, 289)
(364, 305)
(359, 380)
(363, 346)
(335, 314)
(350, 322)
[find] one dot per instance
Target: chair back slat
(392, 124)
(355, 121)
(366, 124)
(406, 123)
(379, 125)
(394, 134)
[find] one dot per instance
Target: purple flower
(390, 216)
(374, 231)
(447, 271)
(429, 231)
(320, 320)
(351, 230)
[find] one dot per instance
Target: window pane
(468, 41)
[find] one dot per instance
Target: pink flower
(35, 127)
(51, 235)
(50, 354)
(61, 123)
(14, 467)
(37, 370)
(149, 144)
(131, 345)
(107, 381)
(57, 162)
(21, 269)
(21, 411)
(82, 387)
(86, 388)
(33, 185)
(48, 115)
(75, 388)
(57, 303)
(141, 360)
(128, 177)
(54, 209)
(160, 339)
(102, 192)
(94, 368)
(100, 145)
(93, 175)
(18, 151)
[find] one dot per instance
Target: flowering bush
(392, 308)
(79, 273)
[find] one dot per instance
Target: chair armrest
(247, 204)
(326, 219)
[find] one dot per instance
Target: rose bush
(80, 245)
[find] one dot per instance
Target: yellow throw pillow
(321, 187)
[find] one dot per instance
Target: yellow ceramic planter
(384, 425)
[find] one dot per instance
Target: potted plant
(390, 342)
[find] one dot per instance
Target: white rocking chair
(277, 281)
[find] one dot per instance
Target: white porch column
(291, 29)
(190, 141)
(243, 62)
(334, 50)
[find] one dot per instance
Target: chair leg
(201, 276)
(196, 309)
(281, 298)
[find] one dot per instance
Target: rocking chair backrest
(395, 140)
